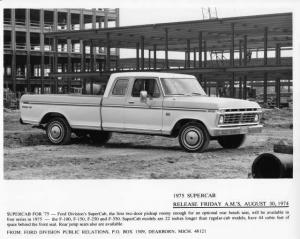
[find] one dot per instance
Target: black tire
(58, 131)
(231, 141)
(100, 137)
(193, 137)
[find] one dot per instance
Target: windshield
(182, 86)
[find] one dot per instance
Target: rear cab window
(120, 87)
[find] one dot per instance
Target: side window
(120, 87)
(149, 85)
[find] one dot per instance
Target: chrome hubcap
(55, 131)
(192, 138)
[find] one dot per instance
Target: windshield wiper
(195, 93)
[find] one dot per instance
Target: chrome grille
(248, 118)
(238, 118)
(232, 118)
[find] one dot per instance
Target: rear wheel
(231, 141)
(58, 131)
(193, 137)
(100, 137)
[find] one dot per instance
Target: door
(144, 116)
(113, 105)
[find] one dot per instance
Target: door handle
(131, 102)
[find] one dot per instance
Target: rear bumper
(236, 130)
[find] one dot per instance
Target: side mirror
(143, 96)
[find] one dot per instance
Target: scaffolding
(219, 52)
(29, 55)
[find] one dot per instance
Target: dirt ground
(28, 154)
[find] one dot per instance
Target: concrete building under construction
(242, 57)
(28, 53)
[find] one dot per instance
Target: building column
(232, 85)
(107, 51)
(92, 56)
(83, 65)
(245, 50)
(55, 63)
(205, 54)
(265, 87)
(149, 59)
(137, 56)
(278, 54)
(118, 25)
(232, 46)
(69, 50)
(83, 53)
(245, 87)
(217, 88)
(54, 47)
(105, 26)
(28, 50)
(200, 49)
(154, 57)
(94, 18)
(240, 53)
(188, 53)
(266, 46)
(105, 18)
(240, 88)
(42, 44)
(278, 91)
(142, 53)
(166, 48)
(13, 47)
(195, 59)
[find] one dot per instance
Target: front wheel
(193, 137)
(58, 131)
(100, 137)
(231, 141)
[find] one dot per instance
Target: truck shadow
(141, 146)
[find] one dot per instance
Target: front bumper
(236, 130)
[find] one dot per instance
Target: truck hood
(205, 102)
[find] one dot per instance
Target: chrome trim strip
(31, 122)
(86, 127)
(224, 126)
(130, 130)
(59, 103)
(163, 108)
(132, 106)
(241, 112)
(190, 109)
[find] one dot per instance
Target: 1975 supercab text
(145, 103)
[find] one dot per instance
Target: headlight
(221, 119)
(256, 118)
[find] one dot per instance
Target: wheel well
(50, 115)
(180, 123)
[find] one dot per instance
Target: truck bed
(81, 111)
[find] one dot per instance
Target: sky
(138, 16)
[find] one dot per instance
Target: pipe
(269, 165)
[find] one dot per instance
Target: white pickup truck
(145, 103)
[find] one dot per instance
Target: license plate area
(244, 130)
